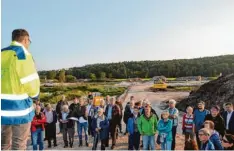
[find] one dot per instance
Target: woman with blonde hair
(165, 131)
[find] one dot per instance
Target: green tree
(70, 78)
(92, 76)
(51, 74)
(110, 75)
(102, 75)
(62, 77)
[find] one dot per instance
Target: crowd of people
(203, 129)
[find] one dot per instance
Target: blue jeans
(37, 139)
(166, 145)
(148, 141)
(85, 127)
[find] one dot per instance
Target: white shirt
(82, 120)
(228, 119)
(49, 116)
(88, 108)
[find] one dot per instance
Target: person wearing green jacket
(165, 131)
(147, 126)
(20, 84)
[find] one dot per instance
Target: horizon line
(137, 61)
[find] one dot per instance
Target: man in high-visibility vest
(20, 84)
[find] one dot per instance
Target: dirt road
(140, 93)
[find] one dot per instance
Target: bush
(212, 78)
(54, 94)
(70, 78)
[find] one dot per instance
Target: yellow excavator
(159, 85)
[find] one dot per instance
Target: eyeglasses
(200, 134)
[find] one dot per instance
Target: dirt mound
(215, 92)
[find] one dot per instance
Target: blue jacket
(199, 118)
(104, 132)
(130, 125)
(207, 146)
(214, 138)
(165, 127)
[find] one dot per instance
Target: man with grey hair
(174, 117)
(59, 106)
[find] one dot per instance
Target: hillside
(207, 66)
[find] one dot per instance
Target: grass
(185, 88)
(171, 79)
(54, 94)
(212, 78)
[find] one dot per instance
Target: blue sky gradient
(79, 32)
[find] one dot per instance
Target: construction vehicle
(159, 85)
(97, 99)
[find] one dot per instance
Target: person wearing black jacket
(59, 109)
(50, 125)
(128, 112)
(228, 117)
(113, 115)
(74, 107)
(119, 103)
(217, 119)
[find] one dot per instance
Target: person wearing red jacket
(37, 128)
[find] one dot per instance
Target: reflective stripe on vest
(17, 113)
(29, 78)
(16, 105)
(14, 96)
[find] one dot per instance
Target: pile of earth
(216, 92)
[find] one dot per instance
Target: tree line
(206, 66)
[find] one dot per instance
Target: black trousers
(113, 132)
(120, 123)
(89, 125)
(95, 142)
(50, 133)
(134, 141)
(174, 129)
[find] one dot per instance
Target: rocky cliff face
(215, 92)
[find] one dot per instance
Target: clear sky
(68, 33)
